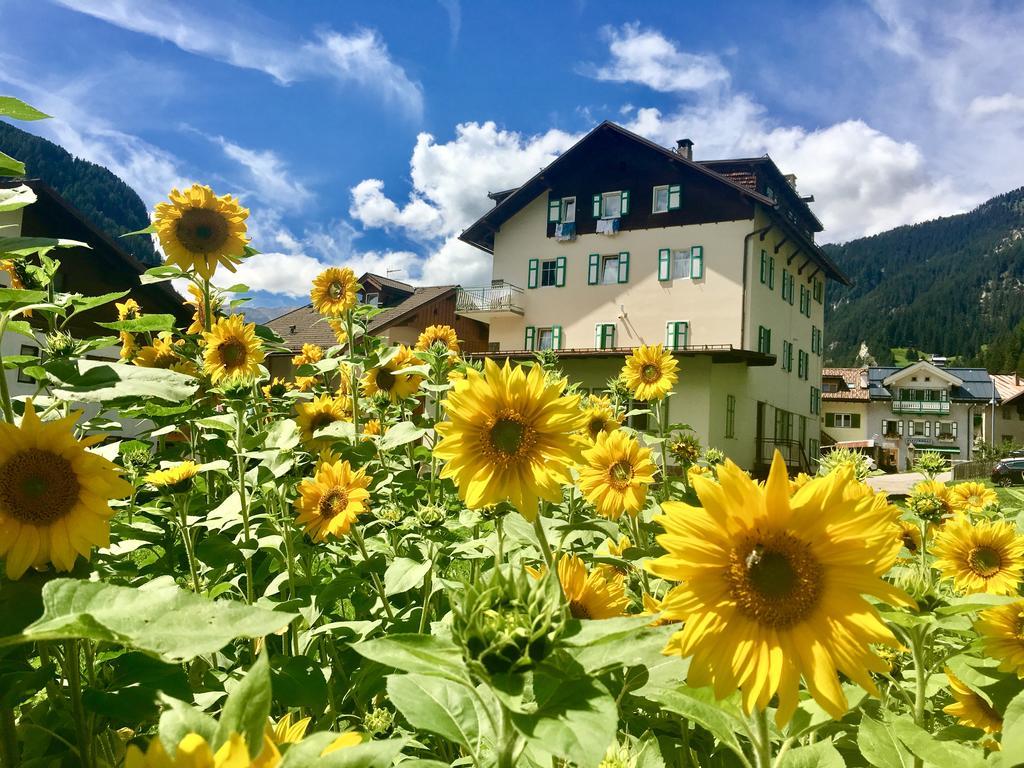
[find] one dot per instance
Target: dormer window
(611, 205)
(666, 198)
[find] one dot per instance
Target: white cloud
(372, 208)
(268, 174)
(982, 106)
(647, 57)
(361, 57)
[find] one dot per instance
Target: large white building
(621, 242)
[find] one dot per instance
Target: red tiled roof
(855, 380)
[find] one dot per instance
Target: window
(783, 425)
(666, 198)
(787, 356)
(611, 205)
(27, 350)
(543, 338)
(829, 386)
(815, 401)
(764, 340)
(803, 365)
(550, 272)
(819, 291)
(919, 429)
(805, 301)
(604, 336)
(608, 269)
(771, 273)
(945, 430)
(372, 299)
(681, 264)
(816, 340)
(813, 449)
(764, 267)
(568, 209)
(843, 420)
(730, 416)
(788, 286)
(892, 428)
(768, 271)
(677, 334)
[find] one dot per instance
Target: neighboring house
(408, 310)
(1009, 421)
(620, 242)
(893, 413)
(105, 267)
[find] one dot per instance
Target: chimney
(684, 148)
(790, 179)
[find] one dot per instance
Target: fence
(966, 470)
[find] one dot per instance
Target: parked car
(1008, 471)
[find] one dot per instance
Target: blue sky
(370, 133)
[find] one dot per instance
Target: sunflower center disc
(595, 427)
(507, 436)
(650, 373)
(335, 289)
(320, 420)
(985, 562)
(385, 380)
(234, 354)
(578, 610)
(201, 230)
(333, 503)
(909, 542)
(38, 487)
(775, 579)
(621, 472)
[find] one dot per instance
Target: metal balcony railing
(920, 406)
(500, 297)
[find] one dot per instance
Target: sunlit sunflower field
(407, 557)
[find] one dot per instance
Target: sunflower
(650, 372)
(318, 413)
(340, 332)
(653, 607)
(53, 494)
(199, 310)
(348, 739)
(311, 353)
(610, 547)
(128, 346)
(11, 267)
(164, 352)
(200, 231)
(986, 557)
(969, 708)
(799, 481)
(129, 310)
(440, 335)
(597, 594)
(509, 435)
(175, 478)
(277, 387)
(285, 731)
(305, 383)
(601, 417)
(771, 585)
(910, 536)
(334, 291)
(332, 499)
(699, 470)
(971, 497)
(232, 350)
(616, 474)
(385, 380)
(372, 428)
(194, 752)
(1002, 635)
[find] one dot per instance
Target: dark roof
(478, 232)
(311, 328)
(733, 169)
(386, 282)
(720, 353)
(977, 384)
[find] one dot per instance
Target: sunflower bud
(618, 756)
(389, 515)
(714, 456)
(237, 387)
(685, 450)
(509, 623)
(431, 515)
(378, 721)
(927, 506)
(60, 344)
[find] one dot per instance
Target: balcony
(497, 300)
(932, 407)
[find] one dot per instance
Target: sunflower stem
(243, 501)
(353, 381)
(9, 757)
(207, 305)
(5, 395)
(661, 413)
(73, 673)
(917, 642)
(542, 540)
(186, 535)
(428, 590)
(358, 536)
(762, 740)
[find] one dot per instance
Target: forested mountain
(949, 286)
(101, 196)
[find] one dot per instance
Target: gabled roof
(855, 381)
(510, 202)
(923, 366)
(1009, 386)
(733, 169)
(385, 282)
(975, 383)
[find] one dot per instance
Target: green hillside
(950, 286)
(105, 200)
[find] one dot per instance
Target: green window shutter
(675, 197)
(554, 210)
(664, 264)
(792, 285)
(768, 338)
(830, 419)
(594, 269)
(771, 272)
(531, 278)
(530, 333)
(683, 334)
(560, 272)
(670, 335)
(609, 336)
(597, 206)
(598, 335)
(764, 267)
(556, 337)
(624, 203)
(624, 267)
(697, 262)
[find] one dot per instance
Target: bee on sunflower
(386, 380)
(331, 501)
(442, 336)
(510, 436)
(596, 594)
(233, 352)
(650, 372)
(616, 474)
(53, 494)
(983, 557)
(771, 584)
(318, 413)
(334, 291)
(200, 231)
(1002, 635)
